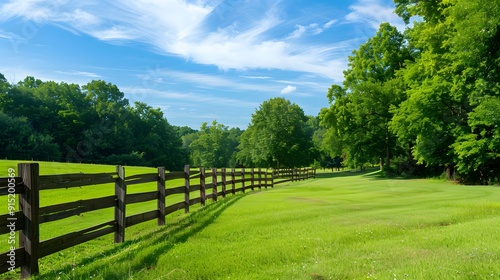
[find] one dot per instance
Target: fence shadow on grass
(152, 245)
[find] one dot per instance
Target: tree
(277, 136)
(154, 139)
(456, 70)
(212, 147)
(360, 111)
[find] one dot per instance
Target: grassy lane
(333, 227)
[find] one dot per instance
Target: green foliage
(277, 136)
(454, 83)
(93, 123)
(360, 112)
(214, 146)
(429, 94)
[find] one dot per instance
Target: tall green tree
(360, 111)
(457, 69)
(277, 136)
(213, 147)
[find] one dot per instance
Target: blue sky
(198, 60)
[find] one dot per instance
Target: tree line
(94, 123)
(427, 100)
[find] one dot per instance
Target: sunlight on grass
(334, 227)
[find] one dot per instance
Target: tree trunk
(450, 172)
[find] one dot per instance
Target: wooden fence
(29, 183)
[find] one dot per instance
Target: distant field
(339, 226)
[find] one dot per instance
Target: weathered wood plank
(142, 180)
(57, 244)
(174, 207)
(214, 184)
(121, 195)
(65, 210)
(141, 197)
(194, 188)
(160, 187)
(283, 181)
(223, 182)
(63, 181)
(233, 181)
(194, 201)
(174, 175)
(6, 260)
(19, 188)
(187, 183)
(142, 217)
(242, 180)
(140, 176)
(7, 219)
(176, 190)
(29, 204)
(4, 181)
(202, 186)
(238, 189)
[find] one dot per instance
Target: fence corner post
(121, 194)
(29, 204)
(161, 196)
(186, 188)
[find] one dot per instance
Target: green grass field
(339, 226)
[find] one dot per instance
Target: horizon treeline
(94, 123)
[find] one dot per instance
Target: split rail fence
(213, 183)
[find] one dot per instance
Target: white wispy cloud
(288, 89)
(372, 13)
(256, 77)
(178, 27)
(208, 81)
(80, 74)
(190, 97)
(312, 29)
(330, 23)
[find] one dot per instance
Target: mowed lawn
(339, 226)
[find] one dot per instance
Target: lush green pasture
(338, 226)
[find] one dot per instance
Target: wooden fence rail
(216, 182)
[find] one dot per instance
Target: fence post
(252, 178)
(314, 176)
(243, 179)
(233, 183)
(161, 196)
(223, 183)
(214, 184)
(202, 186)
(121, 193)
(260, 177)
(186, 189)
(265, 177)
(272, 178)
(29, 204)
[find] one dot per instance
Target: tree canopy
(91, 123)
(434, 91)
(278, 136)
